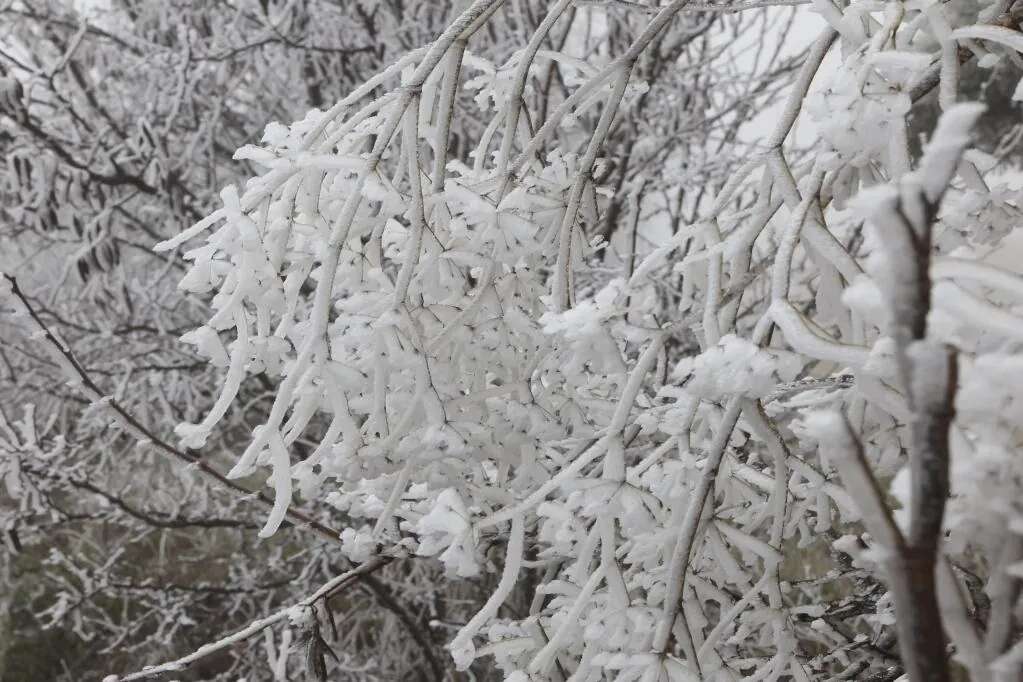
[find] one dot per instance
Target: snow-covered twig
(325, 592)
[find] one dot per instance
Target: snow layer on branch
(736, 366)
(446, 527)
(586, 318)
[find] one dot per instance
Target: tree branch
(257, 626)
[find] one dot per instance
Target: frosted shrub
(659, 436)
(766, 444)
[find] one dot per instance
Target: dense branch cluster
(691, 400)
(118, 122)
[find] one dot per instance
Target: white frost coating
(946, 146)
(280, 481)
(428, 363)
(462, 648)
(632, 388)
(584, 458)
(992, 380)
(831, 14)
(830, 429)
(729, 616)
(901, 489)
(975, 311)
(208, 344)
(997, 34)
(825, 426)
(191, 232)
(446, 527)
(545, 657)
(358, 545)
(865, 297)
(736, 366)
(812, 342)
(984, 273)
(195, 435)
(657, 257)
(948, 88)
(748, 543)
(255, 627)
(586, 318)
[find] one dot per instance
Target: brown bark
(928, 370)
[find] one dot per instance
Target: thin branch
(70, 364)
(693, 7)
(257, 626)
(295, 517)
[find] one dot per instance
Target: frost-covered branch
(78, 376)
(541, 299)
(297, 614)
